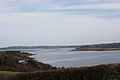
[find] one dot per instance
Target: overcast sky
(59, 22)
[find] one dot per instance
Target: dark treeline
(109, 45)
(101, 72)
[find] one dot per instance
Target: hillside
(17, 61)
(101, 72)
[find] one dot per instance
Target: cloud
(95, 6)
(38, 5)
(25, 5)
(4, 9)
(52, 28)
(41, 22)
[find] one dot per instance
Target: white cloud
(95, 6)
(55, 27)
(18, 5)
(21, 6)
(4, 9)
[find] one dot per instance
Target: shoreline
(35, 72)
(96, 49)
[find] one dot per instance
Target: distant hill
(37, 47)
(108, 45)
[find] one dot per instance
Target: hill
(108, 45)
(36, 47)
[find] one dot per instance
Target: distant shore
(96, 49)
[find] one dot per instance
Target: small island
(96, 49)
(99, 47)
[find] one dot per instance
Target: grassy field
(9, 72)
(96, 49)
(6, 75)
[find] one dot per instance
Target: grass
(6, 75)
(9, 72)
(96, 49)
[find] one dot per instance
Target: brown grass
(97, 49)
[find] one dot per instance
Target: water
(64, 57)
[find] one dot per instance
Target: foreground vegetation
(101, 72)
(12, 68)
(20, 62)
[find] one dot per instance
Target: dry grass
(9, 72)
(97, 49)
(5, 75)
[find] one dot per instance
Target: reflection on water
(64, 57)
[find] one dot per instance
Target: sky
(58, 22)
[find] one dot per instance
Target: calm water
(64, 57)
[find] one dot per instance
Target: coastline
(98, 72)
(96, 49)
